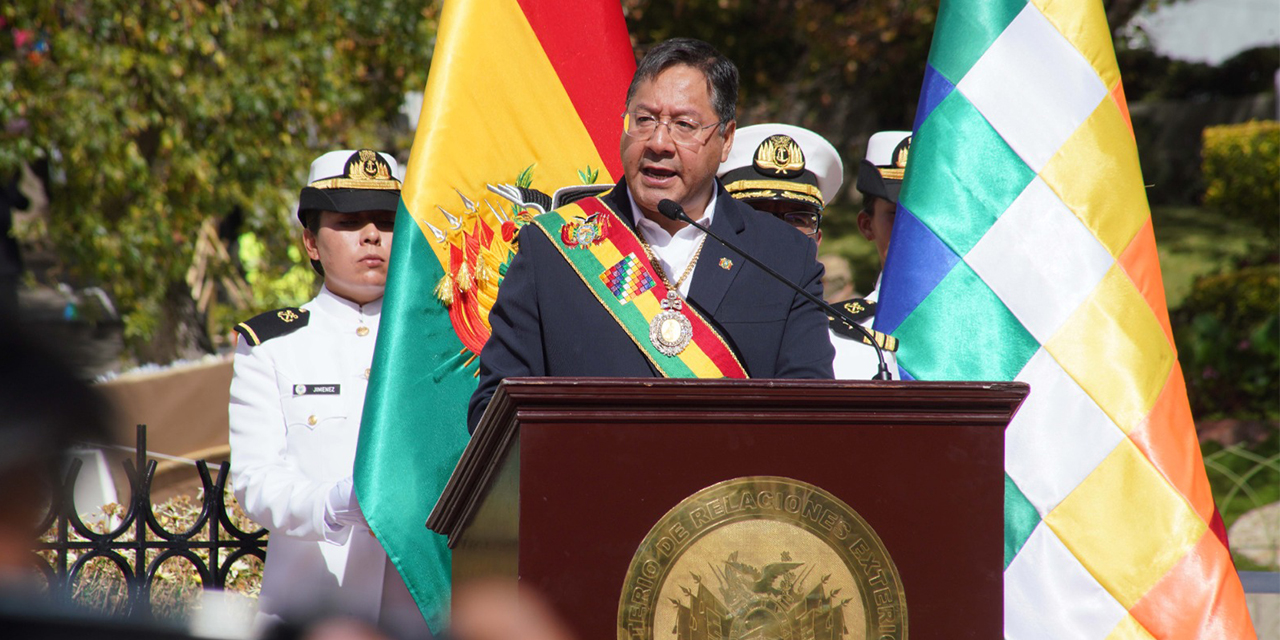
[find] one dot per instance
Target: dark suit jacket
(547, 323)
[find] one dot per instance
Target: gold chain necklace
(657, 263)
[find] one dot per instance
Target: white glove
(341, 509)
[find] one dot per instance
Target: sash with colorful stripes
(606, 254)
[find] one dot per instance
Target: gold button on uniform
(366, 374)
(362, 331)
(311, 421)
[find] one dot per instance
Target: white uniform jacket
(296, 403)
(856, 360)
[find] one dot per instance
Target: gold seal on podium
(762, 558)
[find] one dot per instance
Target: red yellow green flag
(528, 93)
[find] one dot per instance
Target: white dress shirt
(674, 251)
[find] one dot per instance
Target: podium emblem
(762, 558)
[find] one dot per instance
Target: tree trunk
(182, 332)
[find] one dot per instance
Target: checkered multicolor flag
(1023, 250)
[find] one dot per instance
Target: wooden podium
(565, 478)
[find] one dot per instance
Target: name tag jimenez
(762, 557)
(317, 389)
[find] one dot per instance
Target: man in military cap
(793, 173)
(296, 400)
(787, 171)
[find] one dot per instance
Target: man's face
(354, 249)
(877, 225)
(659, 169)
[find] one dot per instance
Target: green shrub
(1228, 336)
(1242, 173)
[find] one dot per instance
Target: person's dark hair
(869, 203)
(311, 221)
(721, 73)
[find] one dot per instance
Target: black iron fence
(140, 544)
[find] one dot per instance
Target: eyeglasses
(683, 131)
(806, 221)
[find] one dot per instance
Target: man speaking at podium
(610, 287)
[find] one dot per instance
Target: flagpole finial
(466, 202)
(454, 222)
(439, 235)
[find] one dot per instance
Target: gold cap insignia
(368, 165)
(365, 169)
(780, 156)
(899, 159)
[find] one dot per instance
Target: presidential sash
(611, 261)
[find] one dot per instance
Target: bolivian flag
(1023, 250)
(527, 93)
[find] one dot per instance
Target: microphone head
(671, 209)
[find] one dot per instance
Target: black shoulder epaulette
(273, 324)
(860, 310)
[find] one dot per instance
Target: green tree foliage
(841, 67)
(1149, 75)
(1228, 327)
(158, 116)
(1242, 173)
(1228, 337)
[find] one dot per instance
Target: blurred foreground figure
(499, 610)
(297, 396)
(44, 409)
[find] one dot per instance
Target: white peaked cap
(881, 145)
(880, 173)
(334, 165)
(761, 165)
(349, 181)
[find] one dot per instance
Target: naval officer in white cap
(794, 173)
(788, 171)
(297, 395)
(879, 180)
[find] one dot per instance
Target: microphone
(672, 209)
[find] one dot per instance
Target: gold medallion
(669, 331)
(765, 558)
